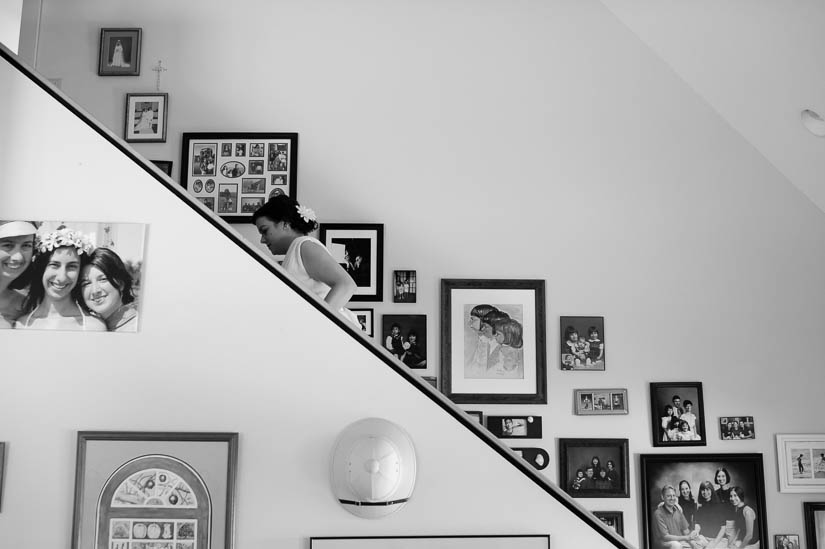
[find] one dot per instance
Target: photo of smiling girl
(16, 251)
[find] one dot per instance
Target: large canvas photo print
(64, 275)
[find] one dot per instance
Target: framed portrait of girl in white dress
(119, 53)
(146, 115)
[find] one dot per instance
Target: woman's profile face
(721, 478)
(99, 294)
(62, 272)
(474, 323)
(15, 256)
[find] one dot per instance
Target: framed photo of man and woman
(704, 500)
(234, 174)
(359, 249)
(493, 341)
(801, 461)
(405, 337)
(67, 275)
(677, 411)
(594, 467)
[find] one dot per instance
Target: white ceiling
(758, 63)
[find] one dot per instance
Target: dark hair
(722, 470)
(690, 491)
(282, 208)
(597, 458)
(510, 328)
(26, 276)
(395, 325)
(675, 397)
(494, 316)
(36, 290)
(115, 270)
(686, 402)
(705, 485)
(739, 492)
(480, 310)
(570, 330)
(611, 462)
(668, 407)
(592, 329)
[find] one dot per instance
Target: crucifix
(159, 68)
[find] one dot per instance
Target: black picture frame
(366, 317)
(164, 165)
(140, 128)
(202, 157)
(359, 249)
(814, 513)
(515, 426)
(786, 541)
(107, 463)
(578, 455)
(722, 472)
(404, 286)
(585, 354)
(465, 378)
(126, 61)
(477, 414)
(737, 428)
(612, 519)
(412, 351)
(666, 428)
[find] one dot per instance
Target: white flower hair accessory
(307, 214)
(65, 237)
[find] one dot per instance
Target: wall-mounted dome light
(814, 122)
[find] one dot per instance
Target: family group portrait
(582, 343)
(80, 276)
(493, 341)
(677, 409)
(594, 467)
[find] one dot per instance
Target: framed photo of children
(706, 500)
(405, 287)
(612, 519)
(582, 343)
(359, 249)
(72, 275)
(493, 341)
(146, 117)
(801, 461)
(814, 524)
(600, 402)
(677, 411)
(737, 428)
(594, 467)
(366, 318)
(405, 337)
(234, 174)
(119, 53)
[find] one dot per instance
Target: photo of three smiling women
(57, 277)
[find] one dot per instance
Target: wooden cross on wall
(159, 68)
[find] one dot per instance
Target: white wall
(10, 15)
(508, 140)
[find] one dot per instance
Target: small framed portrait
(202, 161)
(594, 467)
(208, 201)
(405, 337)
(736, 428)
(251, 203)
(677, 414)
(404, 287)
(119, 53)
(197, 186)
(146, 117)
(477, 415)
(227, 198)
(815, 524)
(240, 149)
(582, 343)
(786, 541)
(210, 186)
(164, 165)
(600, 402)
(801, 462)
(253, 185)
(277, 158)
(612, 519)
(359, 249)
(256, 150)
(717, 500)
(256, 167)
(366, 318)
(537, 457)
(515, 426)
(226, 149)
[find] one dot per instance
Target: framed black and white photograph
(515, 426)
(359, 249)
(119, 52)
(786, 541)
(814, 524)
(714, 500)
(736, 428)
(801, 462)
(493, 341)
(366, 318)
(477, 415)
(582, 343)
(164, 165)
(594, 467)
(677, 414)
(158, 489)
(75, 276)
(516, 541)
(240, 184)
(600, 402)
(405, 337)
(404, 286)
(612, 519)
(146, 117)
(537, 457)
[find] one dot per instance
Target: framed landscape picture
(119, 52)
(594, 468)
(801, 462)
(582, 343)
(677, 414)
(815, 524)
(721, 494)
(146, 117)
(234, 174)
(359, 249)
(493, 341)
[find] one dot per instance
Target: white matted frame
(428, 542)
(800, 459)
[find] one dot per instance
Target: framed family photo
(677, 412)
(366, 318)
(814, 524)
(613, 519)
(801, 462)
(405, 337)
(359, 249)
(722, 496)
(493, 341)
(119, 52)
(600, 402)
(234, 174)
(428, 542)
(737, 428)
(582, 343)
(146, 117)
(158, 489)
(594, 468)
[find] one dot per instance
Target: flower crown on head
(65, 237)
(307, 214)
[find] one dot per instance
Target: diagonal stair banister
(369, 344)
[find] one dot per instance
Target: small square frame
(145, 120)
(126, 62)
